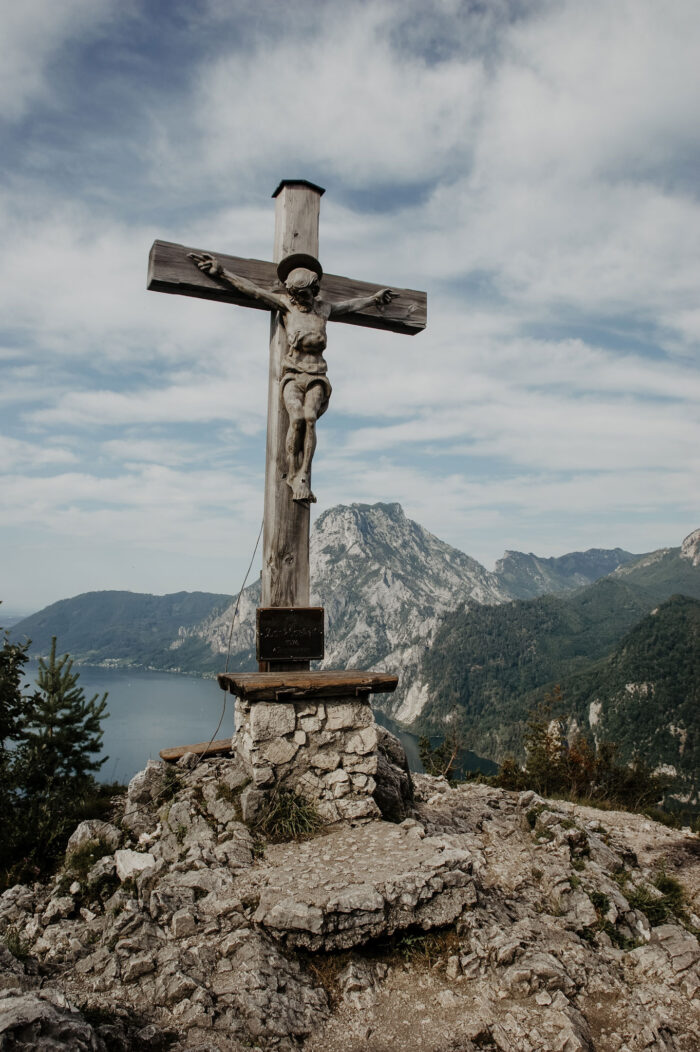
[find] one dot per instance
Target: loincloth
(303, 381)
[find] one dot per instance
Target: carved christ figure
(305, 386)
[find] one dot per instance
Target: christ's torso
(306, 336)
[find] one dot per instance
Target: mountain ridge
(384, 580)
(397, 598)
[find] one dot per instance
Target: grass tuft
(668, 906)
(288, 816)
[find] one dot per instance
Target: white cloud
(16, 453)
(553, 396)
(34, 32)
(152, 505)
(336, 96)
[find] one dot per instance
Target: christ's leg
(294, 443)
(314, 404)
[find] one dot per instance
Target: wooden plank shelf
(292, 686)
(223, 745)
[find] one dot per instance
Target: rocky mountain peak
(527, 576)
(384, 582)
(379, 539)
(690, 548)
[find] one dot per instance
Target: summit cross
(298, 389)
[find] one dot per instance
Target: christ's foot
(301, 491)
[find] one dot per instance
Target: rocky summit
(485, 920)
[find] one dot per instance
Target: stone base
(325, 748)
(314, 733)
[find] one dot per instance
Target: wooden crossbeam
(171, 270)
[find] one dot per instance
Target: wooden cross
(285, 572)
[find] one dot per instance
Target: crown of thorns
(296, 260)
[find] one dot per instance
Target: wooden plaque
(289, 633)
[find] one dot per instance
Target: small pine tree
(13, 657)
(47, 763)
(63, 727)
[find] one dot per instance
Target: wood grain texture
(285, 564)
(170, 270)
(287, 686)
(223, 745)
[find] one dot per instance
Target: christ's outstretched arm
(377, 299)
(210, 265)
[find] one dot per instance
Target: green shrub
(17, 946)
(172, 784)
(669, 905)
(81, 861)
(601, 902)
(576, 770)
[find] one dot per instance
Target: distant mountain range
(483, 643)
(385, 583)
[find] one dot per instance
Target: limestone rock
(253, 802)
(268, 720)
(393, 791)
(269, 992)
(43, 1022)
(145, 786)
(459, 928)
(279, 751)
(93, 831)
(342, 715)
(130, 864)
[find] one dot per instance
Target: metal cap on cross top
(298, 389)
(299, 182)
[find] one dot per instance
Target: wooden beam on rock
(223, 745)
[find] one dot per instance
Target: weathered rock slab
(354, 884)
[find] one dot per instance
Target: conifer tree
(63, 728)
(48, 742)
(13, 704)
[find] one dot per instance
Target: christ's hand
(383, 297)
(207, 264)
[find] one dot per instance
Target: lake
(150, 711)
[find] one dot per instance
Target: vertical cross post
(285, 570)
(255, 283)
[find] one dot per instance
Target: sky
(532, 165)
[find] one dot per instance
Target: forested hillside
(667, 572)
(646, 695)
(486, 660)
(124, 627)
(627, 674)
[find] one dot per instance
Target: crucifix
(302, 299)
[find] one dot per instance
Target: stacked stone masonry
(325, 749)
